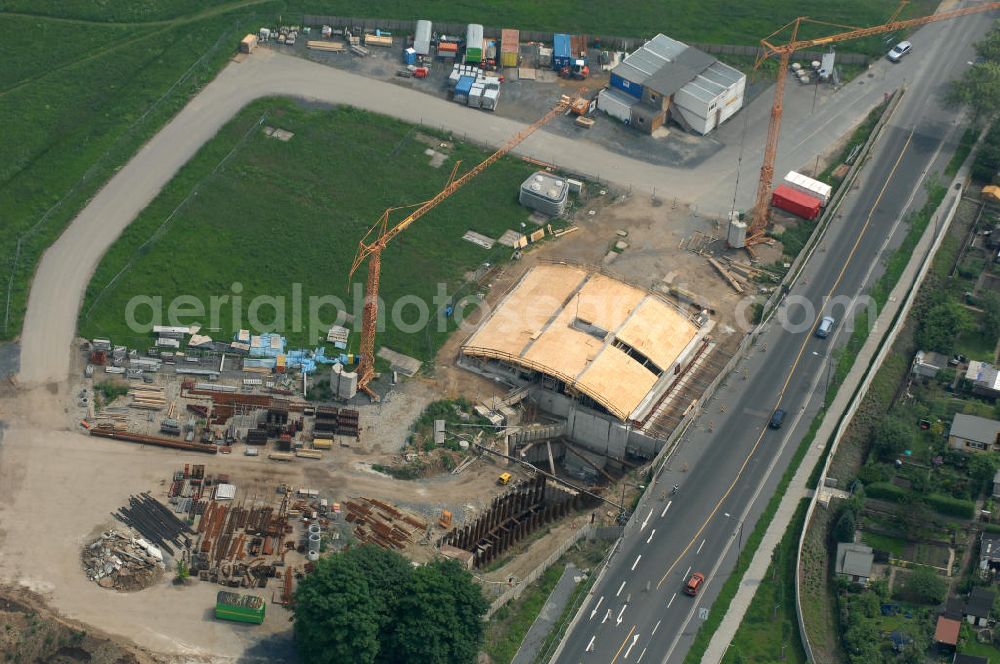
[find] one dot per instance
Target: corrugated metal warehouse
(667, 76)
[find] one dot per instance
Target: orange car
(694, 583)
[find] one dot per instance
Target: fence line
(517, 590)
(606, 42)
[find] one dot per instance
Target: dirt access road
(65, 269)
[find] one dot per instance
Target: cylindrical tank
(312, 556)
(314, 529)
(314, 542)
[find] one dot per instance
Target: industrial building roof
(664, 65)
(607, 339)
(975, 428)
(712, 82)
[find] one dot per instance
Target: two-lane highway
(728, 465)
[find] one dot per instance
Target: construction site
(233, 460)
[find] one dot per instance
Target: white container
(808, 185)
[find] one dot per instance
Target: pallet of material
(378, 40)
(308, 454)
(359, 50)
(584, 122)
(332, 47)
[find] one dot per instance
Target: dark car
(777, 418)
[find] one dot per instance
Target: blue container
(464, 85)
(562, 54)
(626, 86)
(410, 56)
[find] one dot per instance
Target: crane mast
(381, 233)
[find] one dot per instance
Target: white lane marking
(606, 616)
(636, 562)
(669, 603)
(659, 621)
(640, 655)
(699, 547)
(590, 646)
(596, 606)
(620, 588)
(619, 618)
(651, 533)
(631, 645)
(644, 523)
(687, 573)
(664, 512)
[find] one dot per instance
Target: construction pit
(664, 252)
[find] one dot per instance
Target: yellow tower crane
(762, 207)
(380, 234)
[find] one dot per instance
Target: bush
(963, 509)
(886, 491)
(987, 161)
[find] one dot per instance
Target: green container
(240, 608)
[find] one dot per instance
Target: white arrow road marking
(596, 606)
(669, 603)
(620, 588)
(699, 547)
(643, 526)
(590, 646)
(606, 616)
(651, 533)
(664, 512)
(631, 645)
(620, 614)
(636, 562)
(659, 621)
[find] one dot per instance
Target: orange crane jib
(380, 234)
(762, 207)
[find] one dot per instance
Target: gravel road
(66, 268)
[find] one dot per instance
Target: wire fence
(102, 163)
(605, 42)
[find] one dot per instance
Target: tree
(941, 326)
(843, 531)
(440, 616)
(336, 615)
(182, 572)
(978, 90)
(369, 605)
(990, 303)
(892, 436)
(981, 469)
(924, 585)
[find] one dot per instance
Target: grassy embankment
(82, 87)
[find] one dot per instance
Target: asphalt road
(728, 465)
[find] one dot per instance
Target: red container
(796, 202)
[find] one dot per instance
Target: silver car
(899, 50)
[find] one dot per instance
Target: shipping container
(238, 607)
(510, 47)
(447, 50)
(809, 186)
(562, 52)
(422, 38)
(616, 104)
(796, 202)
(464, 85)
(626, 86)
(474, 43)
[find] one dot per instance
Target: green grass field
(82, 87)
(276, 214)
(724, 22)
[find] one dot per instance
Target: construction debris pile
(120, 561)
(155, 523)
(380, 523)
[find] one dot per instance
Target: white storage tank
(545, 193)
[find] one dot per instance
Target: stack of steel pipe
(154, 522)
